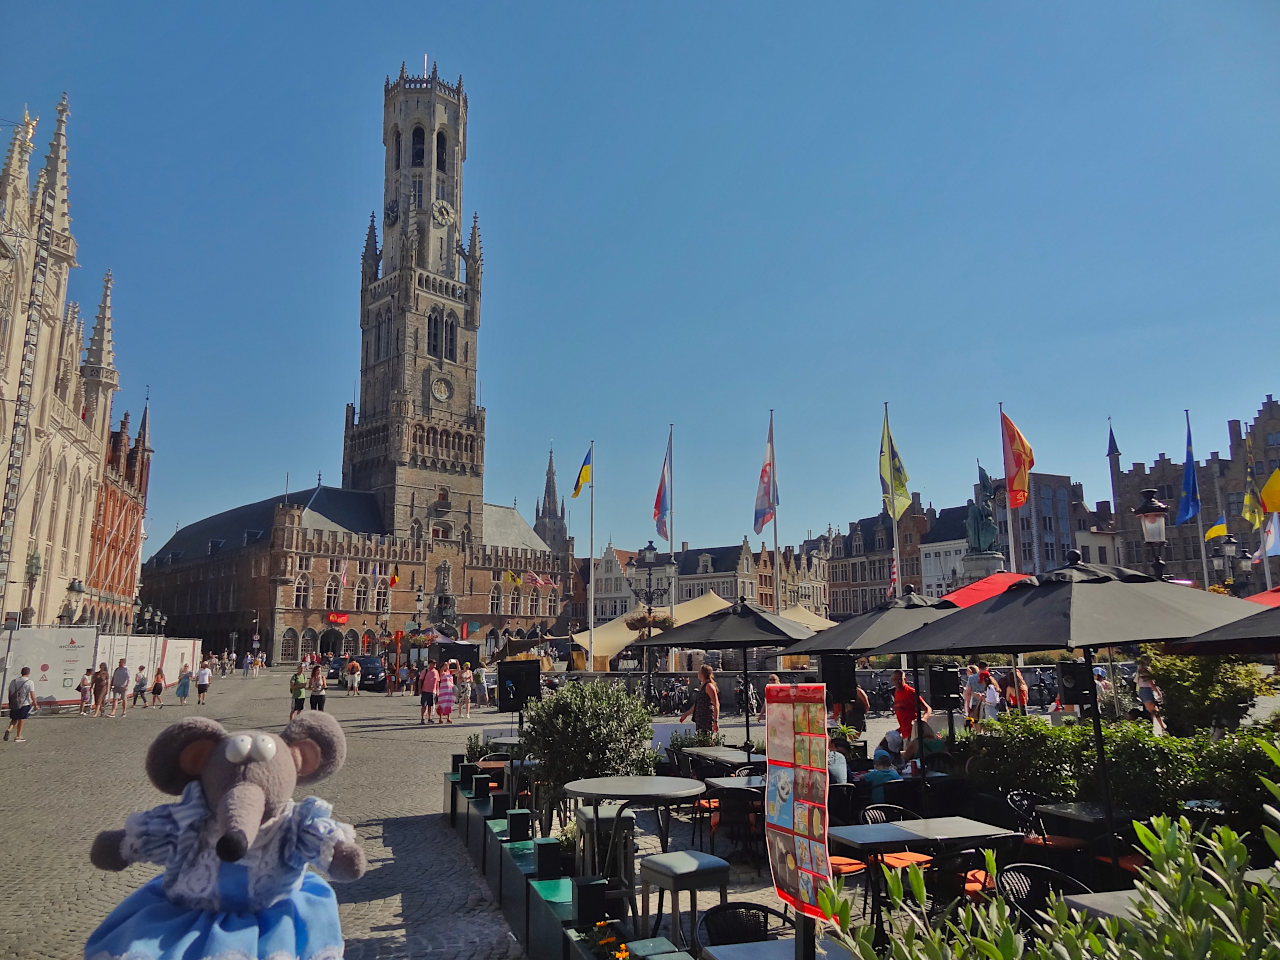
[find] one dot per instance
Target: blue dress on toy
(266, 906)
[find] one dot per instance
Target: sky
(691, 214)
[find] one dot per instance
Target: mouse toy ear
(317, 744)
(179, 754)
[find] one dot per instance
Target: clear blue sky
(691, 213)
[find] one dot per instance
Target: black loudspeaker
(518, 681)
(839, 673)
(1075, 684)
(944, 687)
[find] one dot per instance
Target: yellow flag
(510, 579)
(1271, 493)
(893, 475)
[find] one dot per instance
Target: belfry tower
(549, 519)
(416, 439)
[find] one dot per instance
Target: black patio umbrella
(1259, 633)
(1077, 607)
(738, 627)
(867, 631)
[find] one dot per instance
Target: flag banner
(767, 498)
(1270, 493)
(510, 579)
(1189, 502)
(893, 475)
(584, 475)
(893, 578)
(1219, 529)
(1252, 509)
(463, 631)
(795, 807)
(1270, 540)
(531, 579)
(395, 574)
(1018, 461)
(662, 502)
(344, 573)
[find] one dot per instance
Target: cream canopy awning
(612, 637)
(807, 617)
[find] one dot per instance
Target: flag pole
(777, 558)
(1015, 536)
(591, 570)
(890, 505)
(671, 517)
(1204, 560)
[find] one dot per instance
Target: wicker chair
(739, 922)
(1028, 887)
(1023, 803)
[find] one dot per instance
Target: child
(991, 698)
(86, 693)
(881, 774)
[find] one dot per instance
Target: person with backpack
(22, 700)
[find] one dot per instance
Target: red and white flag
(344, 573)
(893, 578)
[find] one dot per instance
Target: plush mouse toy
(235, 849)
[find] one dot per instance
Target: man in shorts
(298, 690)
(428, 687)
(22, 700)
(119, 688)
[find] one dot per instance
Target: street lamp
(649, 594)
(33, 574)
(1224, 559)
(1151, 517)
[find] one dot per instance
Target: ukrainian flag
(1219, 529)
(584, 475)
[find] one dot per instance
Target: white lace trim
(328, 953)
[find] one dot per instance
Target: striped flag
(344, 573)
(893, 578)
(767, 499)
(662, 502)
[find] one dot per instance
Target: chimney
(684, 546)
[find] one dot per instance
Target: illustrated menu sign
(796, 796)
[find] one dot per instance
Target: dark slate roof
(868, 527)
(325, 509)
(952, 524)
(723, 559)
(504, 527)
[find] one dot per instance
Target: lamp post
(1151, 517)
(649, 595)
(137, 613)
(1224, 560)
(32, 575)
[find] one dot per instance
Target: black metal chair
(1028, 886)
(1115, 861)
(1023, 803)
(887, 813)
(739, 922)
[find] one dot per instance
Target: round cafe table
(660, 792)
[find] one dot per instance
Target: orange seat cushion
(707, 804)
(1130, 862)
(843, 866)
(900, 861)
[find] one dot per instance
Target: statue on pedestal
(980, 524)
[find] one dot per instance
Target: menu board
(796, 795)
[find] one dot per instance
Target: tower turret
(101, 379)
(370, 259)
(1113, 463)
(15, 176)
(55, 170)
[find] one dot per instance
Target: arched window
(362, 596)
(289, 645)
(442, 151)
(470, 444)
(433, 438)
(381, 597)
(395, 150)
(419, 155)
(333, 594)
(514, 609)
(553, 604)
(451, 340)
(535, 603)
(495, 600)
(415, 531)
(419, 437)
(71, 509)
(302, 593)
(434, 334)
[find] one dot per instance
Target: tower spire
(101, 351)
(549, 496)
(55, 170)
(369, 259)
(16, 170)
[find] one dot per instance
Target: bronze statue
(980, 524)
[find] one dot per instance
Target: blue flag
(1189, 504)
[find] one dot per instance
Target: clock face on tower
(441, 389)
(442, 212)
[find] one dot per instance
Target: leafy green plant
(584, 730)
(1204, 692)
(568, 837)
(475, 748)
(701, 738)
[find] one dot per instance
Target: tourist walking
(157, 688)
(353, 677)
(140, 686)
(120, 689)
(298, 690)
(317, 686)
(464, 690)
(183, 689)
(1149, 694)
(1015, 691)
(444, 700)
(403, 679)
(428, 687)
(101, 684)
(705, 706)
(245, 666)
(22, 700)
(224, 664)
(86, 692)
(482, 691)
(204, 676)
(906, 701)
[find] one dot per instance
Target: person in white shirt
(203, 677)
(22, 700)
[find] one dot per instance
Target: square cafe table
(735, 783)
(1114, 904)
(725, 756)
(874, 840)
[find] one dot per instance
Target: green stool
(689, 870)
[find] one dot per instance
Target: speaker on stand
(1076, 686)
(519, 681)
(944, 692)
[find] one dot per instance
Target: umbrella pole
(919, 757)
(1104, 776)
(746, 699)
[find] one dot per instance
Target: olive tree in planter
(585, 730)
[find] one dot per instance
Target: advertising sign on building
(337, 618)
(796, 793)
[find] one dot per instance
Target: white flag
(1270, 540)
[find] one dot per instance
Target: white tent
(810, 619)
(614, 636)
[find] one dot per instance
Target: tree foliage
(1205, 692)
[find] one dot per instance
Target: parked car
(338, 669)
(373, 674)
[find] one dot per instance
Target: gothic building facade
(59, 448)
(407, 540)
